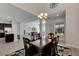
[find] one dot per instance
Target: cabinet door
(1, 26)
(7, 25)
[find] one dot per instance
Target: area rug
(62, 52)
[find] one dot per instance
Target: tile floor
(7, 48)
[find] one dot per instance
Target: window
(59, 28)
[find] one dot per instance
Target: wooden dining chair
(50, 49)
(26, 43)
(32, 49)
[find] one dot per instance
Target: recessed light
(8, 17)
(57, 15)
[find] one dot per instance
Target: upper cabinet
(7, 25)
(4, 25)
(1, 26)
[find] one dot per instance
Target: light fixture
(43, 16)
(46, 14)
(8, 16)
(57, 15)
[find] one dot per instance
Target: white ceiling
(34, 8)
(57, 15)
(10, 12)
(25, 12)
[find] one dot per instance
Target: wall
(72, 25)
(52, 22)
(5, 21)
(28, 27)
(15, 29)
(21, 30)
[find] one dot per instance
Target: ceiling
(26, 12)
(37, 8)
(57, 15)
(9, 12)
(33, 8)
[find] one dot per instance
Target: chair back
(39, 36)
(34, 36)
(32, 49)
(26, 43)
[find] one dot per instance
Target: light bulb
(38, 16)
(45, 14)
(57, 15)
(41, 17)
(8, 17)
(41, 14)
(45, 17)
